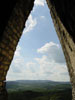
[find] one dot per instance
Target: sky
(39, 55)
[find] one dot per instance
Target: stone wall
(67, 43)
(11, 36)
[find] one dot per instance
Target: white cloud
(46, 47)
(43, 68)
(51, 70)
(40, 2)
(17, 52)
(30, 24)
(53, 51)
(42, 17)
(17, 65)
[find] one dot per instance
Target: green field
(39, 90)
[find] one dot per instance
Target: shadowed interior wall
(63, 15)
(10, 36)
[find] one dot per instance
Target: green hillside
(39, 90)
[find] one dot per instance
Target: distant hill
(36, 81)
(38, 90)
(37, 85)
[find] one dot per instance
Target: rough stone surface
(11, 35)
(66, 11)
(66, 40)
(12, 24)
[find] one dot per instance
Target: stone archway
(62, 13)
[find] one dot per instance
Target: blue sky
(39, 55)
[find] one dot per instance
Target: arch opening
(39, 37)
(47, 46)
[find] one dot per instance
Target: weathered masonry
(13, 17)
